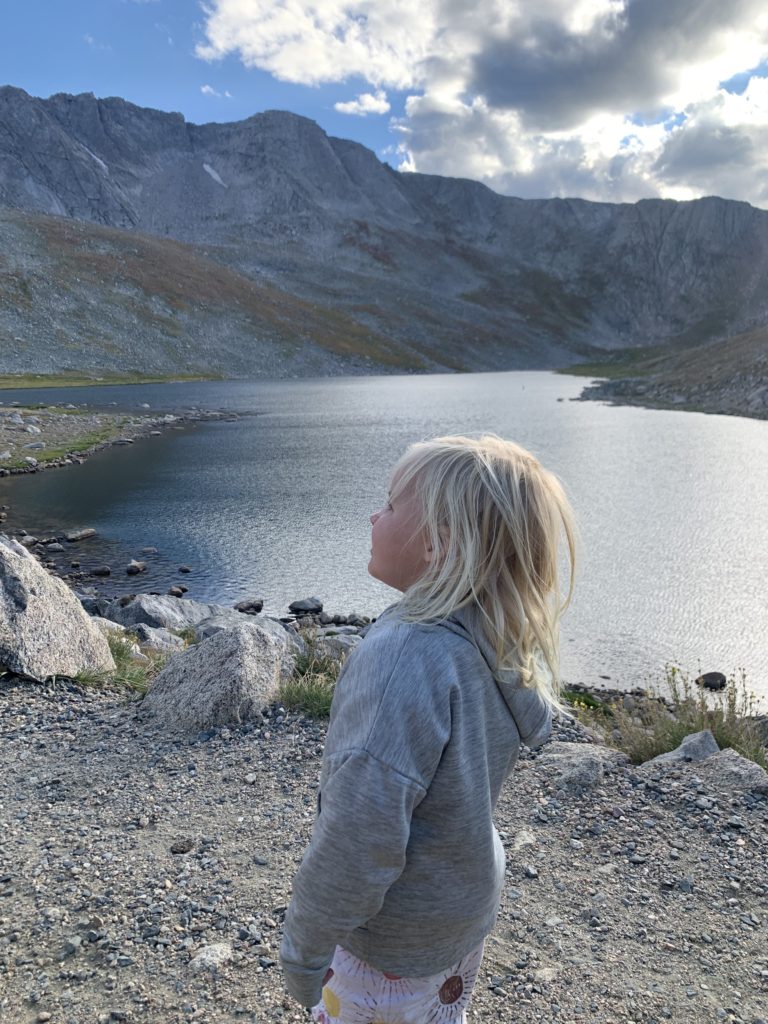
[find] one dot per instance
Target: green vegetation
(634, 362)
(130, 673)
(660, 721)
(585, 700)
(187, 634)
(310, 689)
(73, 379)
(76, 445)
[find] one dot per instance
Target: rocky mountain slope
(728, 376)
(333, 256)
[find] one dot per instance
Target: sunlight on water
(671, 505)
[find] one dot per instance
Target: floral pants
(356, 993)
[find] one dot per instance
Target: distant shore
(612, 382)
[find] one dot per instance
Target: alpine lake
(672, 506)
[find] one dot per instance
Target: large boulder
(697, 746)
(288, 641)
(225, 680)
(159, 611)
(44, 630)
(725, 772)
(576, 768)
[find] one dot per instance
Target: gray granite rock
(157, 639)
(44, 630)
(695, 747)
(161, 611)
(579, 767)
(289, 643)
(225, 680)
(729, 773)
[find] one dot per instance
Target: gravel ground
(124, 853)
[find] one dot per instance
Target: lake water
(672, 505)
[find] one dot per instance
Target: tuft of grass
(660, 721)
(311, 687)
(582, 700)
(72, 379)
(187, 634)
(129, 674)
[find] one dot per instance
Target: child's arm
(390, 725)
(357, 852)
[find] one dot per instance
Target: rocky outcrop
(160, 612)
(44, 631)
(225, 680)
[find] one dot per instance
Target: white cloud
(607, 99)
(208, 90)
(387, 43)
(366, 103)
(94, 43)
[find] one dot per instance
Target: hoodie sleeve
(532, 715)
(356, 853)
(389, 726)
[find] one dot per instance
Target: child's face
(399, 551)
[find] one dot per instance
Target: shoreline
(29, 431)
(739, 399)
(625, 393)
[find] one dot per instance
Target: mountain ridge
(446, 272)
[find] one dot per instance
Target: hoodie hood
(531, 713)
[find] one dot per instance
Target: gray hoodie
(405, 867)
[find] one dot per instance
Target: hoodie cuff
(304, 984)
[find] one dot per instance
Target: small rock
(310, 605)
(210, 958)
(696, 747)
(76, 535)
(712, 681)
(183, 845)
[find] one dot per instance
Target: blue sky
(604, 99)
(145, 52)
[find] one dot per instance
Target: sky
(613, 100)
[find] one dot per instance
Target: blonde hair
(493, 517)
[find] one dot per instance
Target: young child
(401, 881)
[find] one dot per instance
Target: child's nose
(373, 517)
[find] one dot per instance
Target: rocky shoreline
(66, 437)
(736, 398)
(33, 438)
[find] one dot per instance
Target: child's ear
(443, 545)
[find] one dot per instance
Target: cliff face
(448, 272)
